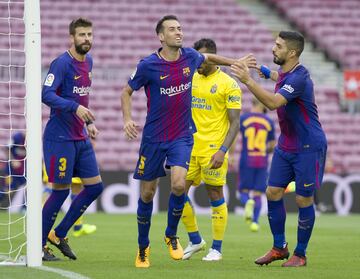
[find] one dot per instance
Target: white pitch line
(64, 273)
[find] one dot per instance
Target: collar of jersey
(162, 58)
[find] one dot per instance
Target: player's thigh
(194, 171)
(59, 159)
(86, 166)
(151, 161)
(260, 180)
(179, 152)
(281, 170)
(213, 177)
(309, 170)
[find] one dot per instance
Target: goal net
(16, 136)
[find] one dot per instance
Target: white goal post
(33, 132)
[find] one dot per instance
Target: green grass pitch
(334, 251)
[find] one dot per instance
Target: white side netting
(12, 131)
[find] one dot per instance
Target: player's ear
(161, 37)
(292, 53)
(72, 39)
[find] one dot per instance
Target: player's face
(205, 68)
(172, 35)
(82, 39)
(280, 51)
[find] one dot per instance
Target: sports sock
(175, 209)
(277, 217)
(78, 207)
(219, 218)
(257, 209)
(189, 219)
(50, 211)
(305, 225)
(79, 222)
(244, 196)
(144, 212)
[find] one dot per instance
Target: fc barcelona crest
(213, 89)
(186, 71)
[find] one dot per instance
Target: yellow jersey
(212, 96)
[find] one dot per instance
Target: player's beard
(278, 61)
(82, 49)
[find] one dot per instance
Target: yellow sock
(219, 221)
(79, 221)
(189, 219)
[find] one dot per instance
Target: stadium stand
(332, 24)
(124, 32)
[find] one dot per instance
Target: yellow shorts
(199, 170)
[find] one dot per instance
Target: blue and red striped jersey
(168, 90)
(67, 85)
(300, 127)
(257, 130)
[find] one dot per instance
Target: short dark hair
(78, 22)
(294, 41)
(209, 44)
(159, 26)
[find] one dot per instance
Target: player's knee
(302, 201)
(274, 193)
(178, 188)
(215, 193)
(147, 195)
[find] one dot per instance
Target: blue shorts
(306, 169)
(152, 156)
(68, 159)
(253, 179)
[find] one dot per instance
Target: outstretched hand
(241, 71)
(249, 60)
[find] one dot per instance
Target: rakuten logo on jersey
(288, 88)
(82, 91)
(174, 90)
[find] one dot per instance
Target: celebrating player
(301, 150)
(167, 136)
(67, 149)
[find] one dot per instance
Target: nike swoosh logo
(164, 77)
(187, 163)
(307, 185)
(77, 77)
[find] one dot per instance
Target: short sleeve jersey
(257, 130)
(300, 127)
(212, 96)
(167, 87)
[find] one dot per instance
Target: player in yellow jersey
(216, 105)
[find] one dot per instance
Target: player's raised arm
(215, 59)
(130, 126)
(270, 100)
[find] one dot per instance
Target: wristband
(265, 71)
(88, 122)
(223, 148)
